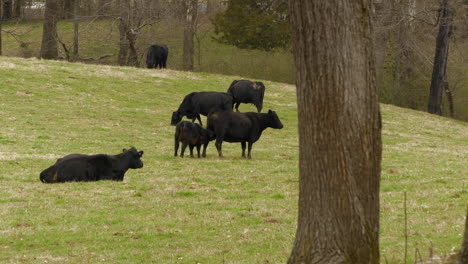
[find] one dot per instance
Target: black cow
(245, 91)
(193, 135)
(81, 167)
(157, 56)
(241, 127)
(201, 103)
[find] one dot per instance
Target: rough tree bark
(189, 31)
(49, 34)
(339, 132)
(439, 71)
(463, 257)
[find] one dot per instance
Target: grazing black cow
(241, 127)
(201, 103)
(245, 91)
(193, 135)
(157, 56)
(80, 167)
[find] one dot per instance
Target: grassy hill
(177, 210)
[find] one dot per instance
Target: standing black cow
(157, 56)
(201, 103)
(81, 167)
(191, 134)
(245, 128)
(245, 91)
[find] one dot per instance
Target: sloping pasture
(187, 210)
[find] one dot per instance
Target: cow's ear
(140, 153)
(123, 150)
(270, 112)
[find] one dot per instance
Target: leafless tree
(439, 72)
(339, 132)
(189, 31)
(49, 33)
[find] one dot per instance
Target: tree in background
(49, 32)
(133, 18)
(251, 24)
(189, 31)
(339, 132)
(7, 9)
(17, 8)
(439, 73)
(124, 6)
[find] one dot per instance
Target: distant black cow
(157, 56)
(81, 167)
(193, 135)
(245, 91)
(201, 103)
(241, 127)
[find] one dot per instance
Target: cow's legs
(176, 147)
(243, 148)
(184, 146)
(191, 150)
(219, 144)
(204, 150)
(250, 149)
(198, 150)
(237, 106)
(199, 120)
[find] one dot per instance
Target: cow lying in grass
(245, 128)
(81, 167)
(193, 135)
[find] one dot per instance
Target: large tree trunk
(49, 34)
(440, 60)
(463, 257)
(123, 28)
(339, 133)
(189, 31)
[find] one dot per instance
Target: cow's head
(275, 122)
(176, 118)
(135, 161)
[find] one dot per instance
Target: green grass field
(187, 210)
